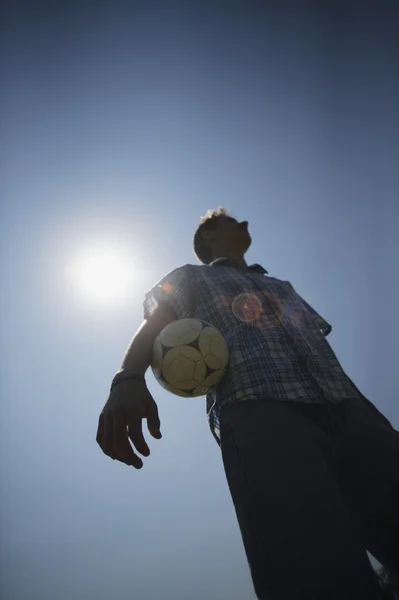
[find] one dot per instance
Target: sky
(122, 123)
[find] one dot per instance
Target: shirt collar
(230, 262)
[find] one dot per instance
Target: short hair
(207, 222)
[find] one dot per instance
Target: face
(230, 234)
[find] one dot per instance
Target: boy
(312, 465)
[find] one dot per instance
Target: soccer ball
(189, 357)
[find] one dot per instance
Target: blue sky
(123, 125)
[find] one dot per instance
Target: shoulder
(192, 270)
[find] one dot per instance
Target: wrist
(125, 376)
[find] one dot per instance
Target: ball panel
(187, 351)
(200, 371)
(214, 378)
(178, 392)
(208, 383)
(180, 332)
(214, 348)
(157, 358)
(181, 370)
(179, 367)
(172, 389)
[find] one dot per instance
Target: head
(220, 235)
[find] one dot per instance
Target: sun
(102, 274)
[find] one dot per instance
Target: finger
(122, 448)
(136, 435)
(100, 429)
(105, 434)
(153, 422)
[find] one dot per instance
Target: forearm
(139, 354)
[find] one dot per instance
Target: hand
(121, 418)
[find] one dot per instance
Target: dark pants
(313, 486)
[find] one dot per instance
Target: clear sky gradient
(121, 125)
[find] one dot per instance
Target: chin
(244, 241)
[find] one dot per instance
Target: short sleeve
(176, 290)
(324, 327)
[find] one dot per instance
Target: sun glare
(102, 274)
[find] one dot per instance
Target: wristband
(119, 377)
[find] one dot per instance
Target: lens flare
(247, 307)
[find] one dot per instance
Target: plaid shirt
(277, 344)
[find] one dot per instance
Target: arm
(138, 356)
(130, 402)
(323, 325)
